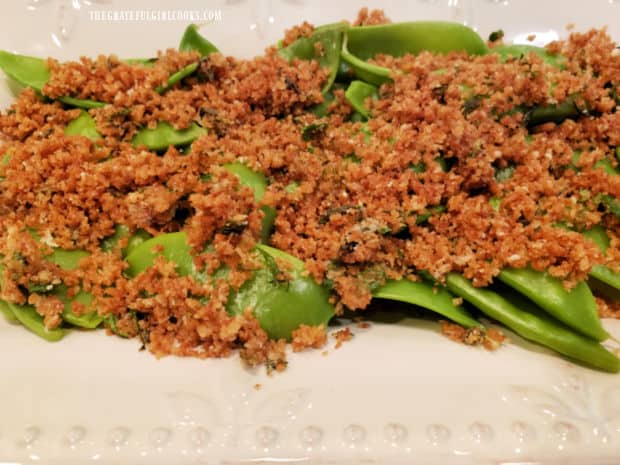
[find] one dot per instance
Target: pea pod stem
(534, 325)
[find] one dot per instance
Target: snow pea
(506, 52)
(280, 307)
(121, 231)
(330, 39)
(174, 248)
(33, 72)
(258, 183)
(158, 138)
(575, 308)
(598, 235)
(69, 260)
(83, 125)
(426, 295)
(164, 135)
(89, 320)
(397, 39)
(193, 41)
(6, 311)
(28, 316)
(531, 323)
(190, 41)
(357, 93)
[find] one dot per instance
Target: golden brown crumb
(308, 337)
(494, 339)
(342, 336)
(452, 330)
(372, 18)
(608, 309)
(490, 339)
(291, 35)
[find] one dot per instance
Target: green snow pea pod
(6, 311)
(69, 260)
(357, 93)
(426, 295)
(330, 39)
(598, 235)
(397, 39)
(27, 71)
(174, 248)
(88, 320)
(66, 259)
(514, 311)
(362, 70)
(159, 138)
(279, 307)
(121, 231)
(83, 125)
(575, 308)
(28, 316)
(33, 72)
(164, 135)
(506, 52)
(258, 183)
(193, 41)
(282, 307)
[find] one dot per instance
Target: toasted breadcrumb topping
(355, 214)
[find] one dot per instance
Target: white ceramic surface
(395, 394)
